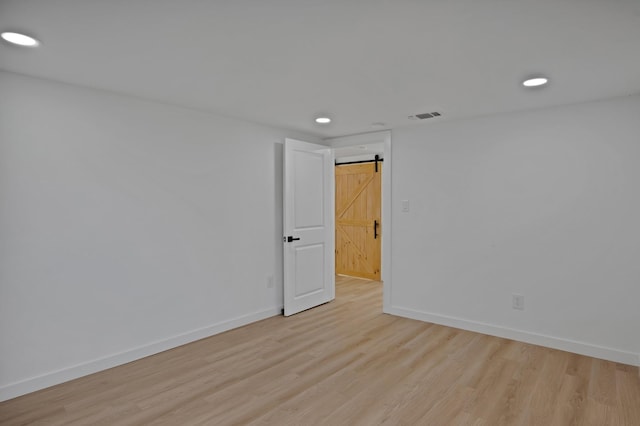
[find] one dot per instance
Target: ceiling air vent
(428, 115)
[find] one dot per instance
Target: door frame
(383, 137)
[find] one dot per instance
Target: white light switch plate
(405, 206)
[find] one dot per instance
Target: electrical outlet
(518, 302)
(270, 281)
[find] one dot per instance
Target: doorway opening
(309, 218)
(358, 219)
(362, 220)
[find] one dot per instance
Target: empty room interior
(296, 212)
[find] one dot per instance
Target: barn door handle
(375, 229)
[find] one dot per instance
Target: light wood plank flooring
(344, 363)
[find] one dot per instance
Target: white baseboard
(581, 348)
(33, 384)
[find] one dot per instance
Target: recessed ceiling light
(19, 39)
(323, 120)
(535, 82)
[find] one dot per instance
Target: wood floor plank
(344, 363)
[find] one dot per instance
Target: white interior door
(309, 259)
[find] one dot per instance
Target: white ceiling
(282, 62)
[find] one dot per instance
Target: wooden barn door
(358, 227)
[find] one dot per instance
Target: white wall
(127, 227)
(543, 203)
